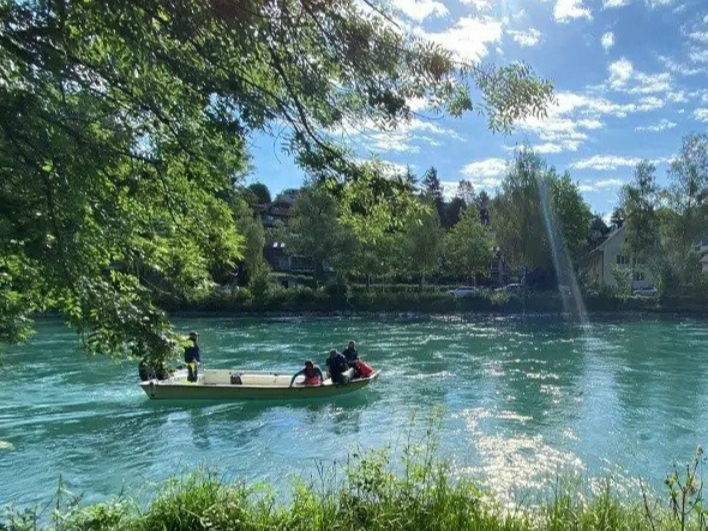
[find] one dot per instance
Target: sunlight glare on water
(523, 398)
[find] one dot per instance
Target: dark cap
(333, 352)
(193, 335)
(309, 362)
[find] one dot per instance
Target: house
(701, 250)
(610, 254)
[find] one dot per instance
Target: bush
(416, 494)
(260, 283)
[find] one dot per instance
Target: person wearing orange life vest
(313, 374)
(361, 369)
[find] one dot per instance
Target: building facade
(611, 254)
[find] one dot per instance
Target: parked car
(646, 291)
(510, 288)
(464, 291)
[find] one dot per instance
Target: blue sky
(630, 81)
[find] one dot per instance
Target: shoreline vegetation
(375, 493)
(408, 300)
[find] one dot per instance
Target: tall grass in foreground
(419, 496)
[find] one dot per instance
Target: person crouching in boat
(337, 366)
(191, 357)
(313, 374)
(361, 369)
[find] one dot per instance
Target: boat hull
(255, 386)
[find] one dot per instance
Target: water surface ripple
(523, 398)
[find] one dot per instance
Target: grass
(416, 495)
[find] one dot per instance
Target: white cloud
(663, 125)
(469, 39)
(597, 186)
(624, 78)
(620, 72)
(421, 9)
(526, 38)
(612, 162)
(566, 10)
(677, 97)
(607, 40)
(604, 162)
(621, 3)
(575, 116)
(700, 36)
(699, 56)
(480, 5)
(388, 168)
(418, 104)
(556, 147)
(680, 68)
(485, 174)
(701, 114)
(367, 135)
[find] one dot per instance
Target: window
(622, 259)
(639, 276)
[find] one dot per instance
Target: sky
(630, 81)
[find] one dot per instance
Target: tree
(122, 125)
(465, 191)
(433, 189)
(452, 212)
(639, 203)
(316, 232)
(538, 215)
(260, 192)
(683, 223)
(254, 235)
(422, 244)
(618, 216)
(468, 247)
(375, 258)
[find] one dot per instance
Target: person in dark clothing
(313, 374)
(351, 354)
(191, 357)
(336, 367)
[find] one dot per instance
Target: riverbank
(297, 301)
(420, 496)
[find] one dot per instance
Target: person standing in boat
(313, 374)
(192, 357)
(337, 366)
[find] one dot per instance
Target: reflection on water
(523, 398)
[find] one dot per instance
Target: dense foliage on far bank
(407, 298)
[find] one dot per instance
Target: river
(521, 398)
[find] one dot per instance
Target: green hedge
(337, 298)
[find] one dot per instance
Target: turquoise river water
(522, 398)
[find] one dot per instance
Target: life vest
(312, 377)
(363, 369)
(315, 380)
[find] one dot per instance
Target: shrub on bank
(421, 496)
(336, 296)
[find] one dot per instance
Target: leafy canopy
(125, 124)
(534, 208)
(468, 246)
